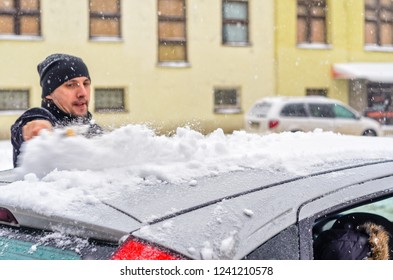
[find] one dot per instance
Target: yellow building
(339, 48)
(166, 63)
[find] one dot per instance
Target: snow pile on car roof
(136, 151)
(60, 175)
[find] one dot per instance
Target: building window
(235, 21)
(14, 100)
(172, 41)
(20, 17)
(311, 22)
(227, 101)
(379, 102)
(316, 92)
(109, 100)
(379, 22)
(105, 18)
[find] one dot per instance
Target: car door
(321, 116)
(352, 204)
(293, 117)
(345, 121)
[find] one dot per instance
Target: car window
(13, 249)
(378, 213)
(260, 109)
(321, 110)
(294, 110)
(383, 207)
(342, 112)
(18, 243)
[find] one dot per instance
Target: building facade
(202, 63)
(165, 63)
(340, 49)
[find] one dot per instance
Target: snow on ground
(58, 172)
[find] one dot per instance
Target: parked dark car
(250, 214)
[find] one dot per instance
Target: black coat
(50, 112)
(345, 241)
(341, 244)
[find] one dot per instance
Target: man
(65, 83)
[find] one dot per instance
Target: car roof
(152, 205)
(262, 210)
(297, 99)
(166, 200)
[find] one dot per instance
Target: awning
(376, 72)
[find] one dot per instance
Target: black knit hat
(58, 68)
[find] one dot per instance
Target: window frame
(366, 204)
(307, 225)
(18, 14)
(308, 19)
(317, 92)
(182, 42)
(227, 108)
(299, 237)
(245, 22)
(376, 20)
(105, 16)
(10, 91)
(105, 90)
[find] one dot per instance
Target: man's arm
(33, 128)
(29, 125)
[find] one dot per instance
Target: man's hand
(33, 128)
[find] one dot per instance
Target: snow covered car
(244, 214)
(279, 114)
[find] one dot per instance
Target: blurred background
(202, 63)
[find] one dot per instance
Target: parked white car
(279, 114)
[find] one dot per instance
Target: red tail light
(273, 124)
(134, 249)
(7, 217)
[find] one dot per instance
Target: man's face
(73, 96)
